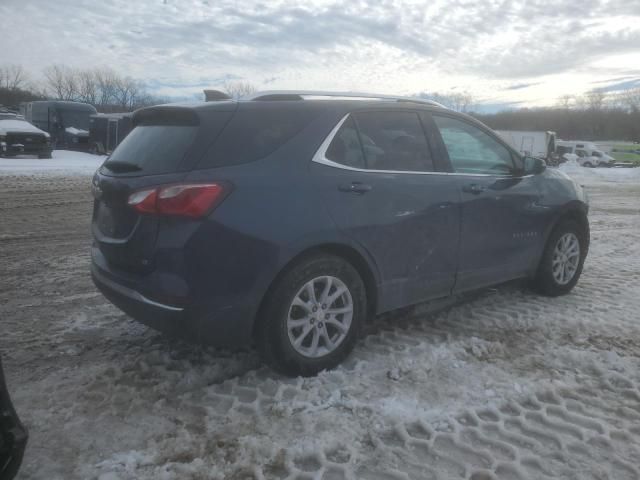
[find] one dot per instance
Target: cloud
(383, 45)
(520, 86)
(620, 86)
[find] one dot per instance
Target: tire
(587, 165)
(275, 335)
(553, 285)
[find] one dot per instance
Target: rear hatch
(163, 148)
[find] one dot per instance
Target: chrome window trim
(320, 157)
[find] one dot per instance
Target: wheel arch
(576, 211)
(348, 253)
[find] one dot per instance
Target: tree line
(596, 115)
(103, 87)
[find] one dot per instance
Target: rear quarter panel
(271, 215)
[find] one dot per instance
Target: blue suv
(289, 218)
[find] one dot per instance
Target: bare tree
(88, 90)
(594, 100)
(13, 77)
(565, 102)
(458, 101)
(107, 81)
(62, 82)
(630, 99)
(462, 102)
(237, 90)
(127, 91)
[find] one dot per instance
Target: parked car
(588, 154)
(13, 435)
(18, 137)
(289, 221)
(66, 122)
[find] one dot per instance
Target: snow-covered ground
(64, 162)
(507, 385)
(600, 176)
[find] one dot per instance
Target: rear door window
(391, 141)
(472, 150)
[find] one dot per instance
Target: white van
(587, 153)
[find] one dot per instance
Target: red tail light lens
(144, 201)
(189, 200)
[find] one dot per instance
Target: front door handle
(473, 188)
(355, 187)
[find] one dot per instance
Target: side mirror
(534, 166)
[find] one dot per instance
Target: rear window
(255, 133)
(154, 149)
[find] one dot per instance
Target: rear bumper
(227, 326)
(129, 293)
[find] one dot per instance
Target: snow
(19, 126)
(64, 162)
(506, 384)
(600, 176)
(76, 131)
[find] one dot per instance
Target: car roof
(317, 104)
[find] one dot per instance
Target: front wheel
(562, 260)
(312, 316)
(587, 164)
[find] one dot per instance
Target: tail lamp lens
(188, 200)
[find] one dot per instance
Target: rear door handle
(473, 188)
(355, 187)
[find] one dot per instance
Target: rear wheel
(311, 318)
(562, 261)
(587, 164)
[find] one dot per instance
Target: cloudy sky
(504, 52)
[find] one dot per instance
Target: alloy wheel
(566, 258)
(320, 316)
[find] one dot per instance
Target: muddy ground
(509, 385)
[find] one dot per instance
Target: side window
(345, 147)
(581, 153)
(393, 141)
(471, 150)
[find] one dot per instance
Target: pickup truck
(19, 137)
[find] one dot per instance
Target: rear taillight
(188, 200)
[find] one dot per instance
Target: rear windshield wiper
(120, 166)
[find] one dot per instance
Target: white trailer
(534, 144)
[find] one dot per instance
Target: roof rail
(300, 94)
